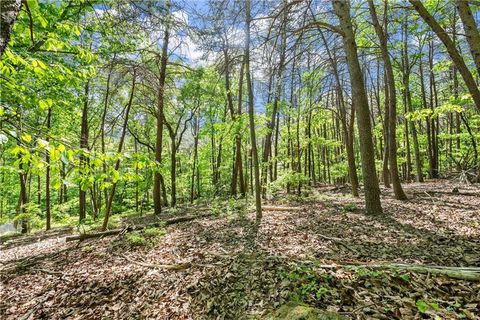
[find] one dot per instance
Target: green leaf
(76, 31)
(26, 137)
(42, 20)
(421, 306)
(43, 104)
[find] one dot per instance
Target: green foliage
(350, 207)
(136, 239)
(153, 232)
(32, 215)
(425, 307)
(145, 237)
(307, 282)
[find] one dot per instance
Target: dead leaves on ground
(235, 271)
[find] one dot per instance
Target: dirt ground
(226, 268)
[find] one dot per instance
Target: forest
(239, 159)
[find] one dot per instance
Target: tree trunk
(120, 148)
(102, 124)
(47, 174)
(278, 89)
(451, 49)
(471, 30)
(372, 190)
(157, 199)
(83, 159)
(392, 103)
(253, 139)
(196, 125)
(173, 171)
(238, 139)
(347, 128)
(9, 10)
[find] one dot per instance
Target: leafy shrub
(308, 284)
(153, 232)
(32, 214)
(135, 239)
(146, 237)
(349, 207)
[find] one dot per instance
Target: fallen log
(461, 273)
(450, 193)
(112, 232)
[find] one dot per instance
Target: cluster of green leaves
(145, 237)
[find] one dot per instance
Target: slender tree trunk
(251, 112)
(157, 199)
(238, 139)
(9, 10)
(451, 49)
(83, 159)
(471, 30)
(278, 89)
(408, 102)
(173, 171)
(120, 148)
(372, 190)
(392, 103)
(195, 157)
(233, 185)
(348, 129)
(47, 173)
(23, 198)
(432, 122)
(102, 124)
(386, 141)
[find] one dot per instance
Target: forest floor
(226, 268)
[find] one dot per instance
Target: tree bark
(276, 98)
(47, 173)
(253, 139)
(372, 189)
(108, 208)
(157, 198)
(9, 10)
(392, 103)
(83, 160)
(471, 30)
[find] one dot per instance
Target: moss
(135, 239)
(153, 232)
(296, 311)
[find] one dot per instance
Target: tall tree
(392, 102)
(360, 102)
(157, 181)
(253, 139)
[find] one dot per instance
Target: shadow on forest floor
(238, 269)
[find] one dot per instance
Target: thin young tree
(392, 102)
(253, 139)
